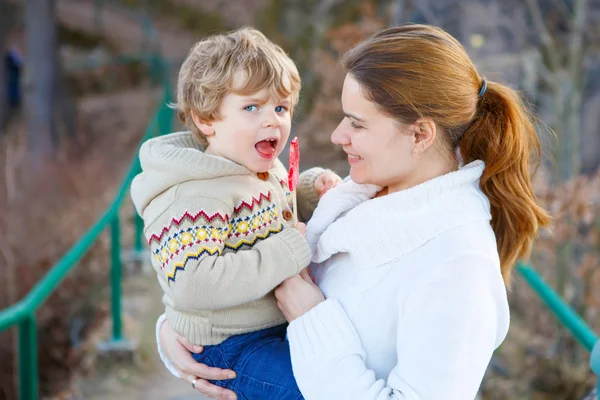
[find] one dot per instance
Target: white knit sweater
(415, 303)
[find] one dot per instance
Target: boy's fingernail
(232, 375)
(197, 349)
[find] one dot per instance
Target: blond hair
(208, 72)
(414, 71)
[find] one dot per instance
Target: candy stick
(294, 166)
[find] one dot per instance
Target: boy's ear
(206, 127)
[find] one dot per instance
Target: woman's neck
(429, 169)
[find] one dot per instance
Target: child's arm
(309, 189)
(195, 271)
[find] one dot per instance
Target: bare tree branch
(562, 7)
(576, 40)
(542, 29)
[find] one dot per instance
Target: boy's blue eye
(250, 108)
(280, 109)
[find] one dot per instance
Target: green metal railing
(566, 315)
(23, 313)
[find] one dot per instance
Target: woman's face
(380, 149)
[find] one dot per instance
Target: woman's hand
(298, 295)
(326, 181)
(178, 350)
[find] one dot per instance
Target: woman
(411, 256)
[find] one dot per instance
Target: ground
(145, 377)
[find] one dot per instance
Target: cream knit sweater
(221, 237)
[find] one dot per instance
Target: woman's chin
(356, 176)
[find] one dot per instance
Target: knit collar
(181, 154)
(375, 231)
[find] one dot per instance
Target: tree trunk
(42, 62)
(65, 112)
(575, 66)
(3, 74)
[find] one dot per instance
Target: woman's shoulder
(465, 255)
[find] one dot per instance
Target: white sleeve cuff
(323, 333)
(161, 320)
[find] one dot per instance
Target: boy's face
(252, 131)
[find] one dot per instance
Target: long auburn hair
(414, 71)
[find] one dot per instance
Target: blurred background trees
(66, 145)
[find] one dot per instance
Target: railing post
(28, 360)
(115, 276)
(595, 364)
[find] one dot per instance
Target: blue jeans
(261, 361)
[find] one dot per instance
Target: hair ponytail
(413, 71)
(503, 135)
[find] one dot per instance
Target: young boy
(218, 214)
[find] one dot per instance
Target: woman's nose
(340, 136)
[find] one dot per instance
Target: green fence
(566, 315)
(23, 313)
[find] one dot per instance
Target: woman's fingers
(205, 372)
(192, 348)
(214, 391)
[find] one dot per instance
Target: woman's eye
(251, 108)
(280, 109)
(355, 126)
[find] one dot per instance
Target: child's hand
(301, 228)
(328, 180)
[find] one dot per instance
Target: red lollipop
(294, 167)
(294, 164)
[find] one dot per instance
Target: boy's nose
(271, 121)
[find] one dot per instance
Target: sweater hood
(172, 159)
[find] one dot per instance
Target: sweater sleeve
(197, 274)
(445, 340)
(307, 197)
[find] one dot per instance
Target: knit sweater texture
(221, 236)
(416, 303)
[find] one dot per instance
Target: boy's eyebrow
(254, 100)
(354, 117)
(261, 100)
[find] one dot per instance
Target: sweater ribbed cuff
(297, 245)
(323, 333)
(161, 320)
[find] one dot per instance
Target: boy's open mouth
(267, 148)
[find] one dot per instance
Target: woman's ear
(425, 132)
(206, 127)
